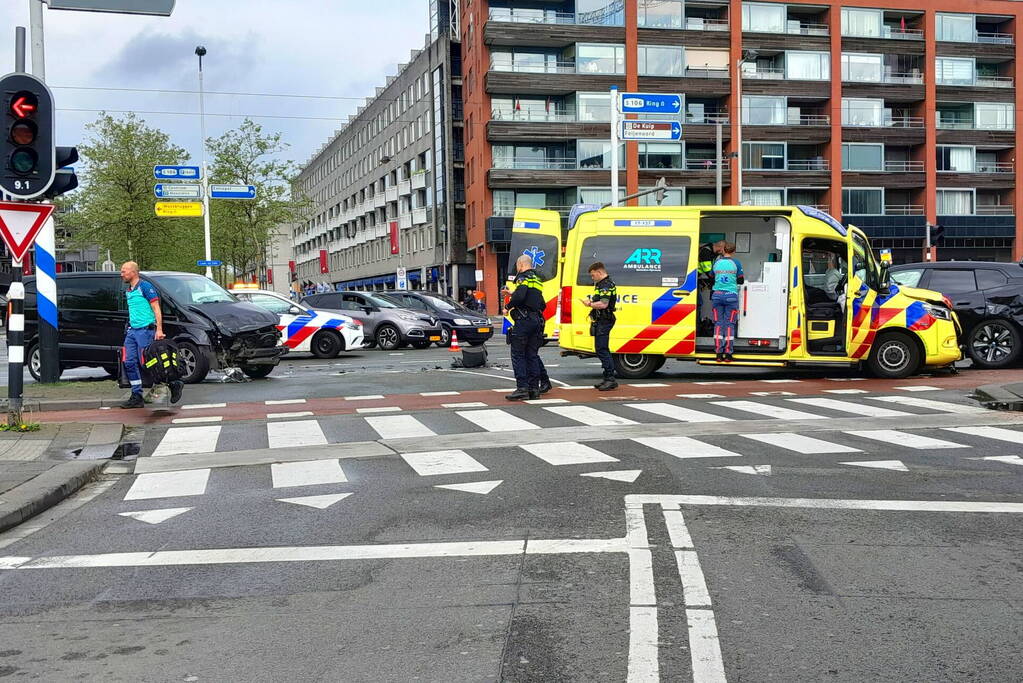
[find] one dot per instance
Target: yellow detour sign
(178, 209)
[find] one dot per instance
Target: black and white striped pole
(15, 345)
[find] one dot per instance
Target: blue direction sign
(651, 130)
(177, 172)
(651, 103)
(209, 264)
(178, 190)
(233, 191)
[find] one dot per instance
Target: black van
(212, 328)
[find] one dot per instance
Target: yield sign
(19, 225)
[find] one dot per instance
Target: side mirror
(885, 276)
(295, 310)
(368, 309)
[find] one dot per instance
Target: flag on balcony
(518, 105)
(902, 24)
(395, 248)
(548, 105)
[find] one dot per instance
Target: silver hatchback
(384, 323)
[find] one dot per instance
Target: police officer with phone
(602, 305)
(526, 335)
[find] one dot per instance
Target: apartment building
(387, 190)
(889, 115)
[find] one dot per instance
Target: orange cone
(454, 341)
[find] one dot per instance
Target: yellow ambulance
(814, 293)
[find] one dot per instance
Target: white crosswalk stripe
(849, 407)
(496, 420)
(590, 416)
(768, 410)
(997, 433)
(567, 453)
(685, 447)
(929, 404)
(307, 473)
(294, 433)
(399, 427)
(168, 484)
(800, 443)
(432, 463)
(678, 412)
(905, 439)
(184, 440)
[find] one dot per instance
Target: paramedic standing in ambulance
(602, 305)
(725, 299)
(145, 324)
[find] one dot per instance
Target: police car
(325, 334)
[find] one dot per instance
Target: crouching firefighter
(602, 305)
(526, 335)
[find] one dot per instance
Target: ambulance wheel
(194, 364)
(894, 355)
(636, 365)
(257, 371)
(326, 344)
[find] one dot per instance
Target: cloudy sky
(342, 49)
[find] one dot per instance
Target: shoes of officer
(135, 401)
(523, 394)
(608, 384)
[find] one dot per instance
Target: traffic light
(64, 179)
(26, 146)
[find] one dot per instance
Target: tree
(242, 229)
(115, 207)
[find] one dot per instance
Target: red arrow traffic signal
(24, 106)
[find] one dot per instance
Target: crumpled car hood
(928, 295)
(232, 318)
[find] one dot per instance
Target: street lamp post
(747, 56)
(200, 51)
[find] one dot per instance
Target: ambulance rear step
(746, 363)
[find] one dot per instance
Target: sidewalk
(37, 470)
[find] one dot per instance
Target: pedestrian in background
(602, 303)
(725, 299)
(525, 307)
(145, 324)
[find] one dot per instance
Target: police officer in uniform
(526, 335)
(602, 316)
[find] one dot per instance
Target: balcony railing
(955, 123)
(898, 33)
(807, 165)
(548, 164)
(706, 72)
(905, 78)
(702, 24)
(700, 164)
(809, 120)
(903, 166)
(995, 167)
(808, 29)
(532, 115)
(772, 73)
(903, 210)
(548, 67)
(531, 16)
(994, 38)
(994, 210)
(508, 211)
(888, 122)
(707, 118)
(994, 81)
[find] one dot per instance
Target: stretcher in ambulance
(814, 295)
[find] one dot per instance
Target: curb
(998, 397)
(47, 405)
(45, 491)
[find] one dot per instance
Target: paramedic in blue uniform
(724, 297)
(145, 324)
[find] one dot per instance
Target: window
(862, 157)
(600, 12)
(635, 261)
(763, 197)
(989, 279)
(948, 281)
(660, 155)
(89, 293)
(761, 110)
(660, 61)
(955, 71)
(671, 198)
(994, 116)
(808, 66)
(859, 202)
(270, 303)
(862, 112)
(600, 59)
(908, 278)
(957, 158)
(593, 106)
(955, 27)
(763, 18)
(863, 262)
(700, 197)
(955, 202)
(861, 23)
(710, 60)
(596, 153)
(763, 156)
(862, 68)
(661, 13)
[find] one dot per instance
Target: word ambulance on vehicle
(325, 334)
(814, 294)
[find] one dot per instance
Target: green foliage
(20, 427)
(115, 207)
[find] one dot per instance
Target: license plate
(482, 329)
(435, 337)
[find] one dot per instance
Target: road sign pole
(205, 178)
(15, 345)
(614, 144)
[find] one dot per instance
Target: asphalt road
(782, 530)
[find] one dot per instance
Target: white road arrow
(764, 470)
(483, 487)
(319, 502)
(1007, 459)
(880, 464)
(619, 475)
(154, 516)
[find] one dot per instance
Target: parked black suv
(472, 328)
(212, 328)
(987, 298)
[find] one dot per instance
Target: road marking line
(442, 462)
(481, 487)
(685, 447)
(319, 502)
(545, 401)
(196, 420)
(940, 406)
(709, 383)
(470, 404)
(182, 440)
(846, 379)
(284, 401)
(203, 406)
(368, 397)
(154, 516)
(990, 433)
(296, 433)
(306, 473)
(830, 503)
(399, 427)
(799, 443)
(704, 647)
(694, 587)
(168, 484)
(768, 410)
(846, 391)
(567, 453)
(896, 465)
(677, 412)
(628, 476)
(762, 470)
(1007, 459)
(918, 388)
(772, 393)
(780, 381)
(643, 644)
(678, 532)
(301, 413)
(576, 387)
(590, 416)
(892, 436)
(381, 409)
(699, 395)
(648, 384)
(849, 407)
(496, 420)
(439, 393)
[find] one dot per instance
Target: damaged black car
(988, 300)
(212, 328)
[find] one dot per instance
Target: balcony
(995, 210)
(379, 200)
(702, 24)
(993, 82)
(405, 187)
(420, 216)
(819, 164)
(390, 194)
(767, 73)
(910, 78)
(509, 211)
(707, 118)
(405, 221)
(547, 164)
(798, 29)
(903, 166)
(418, 180)
(547, 67)
(807, 120)
(528, 115)
(518, 15)
(995, 167)
(703, 165)
(898, 33)
(887, 122)
(994, 38)
(706, 72)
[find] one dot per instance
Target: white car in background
(303, 329)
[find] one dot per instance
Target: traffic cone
(454, 341)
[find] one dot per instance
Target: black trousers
(526, 336)
(601, 340)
